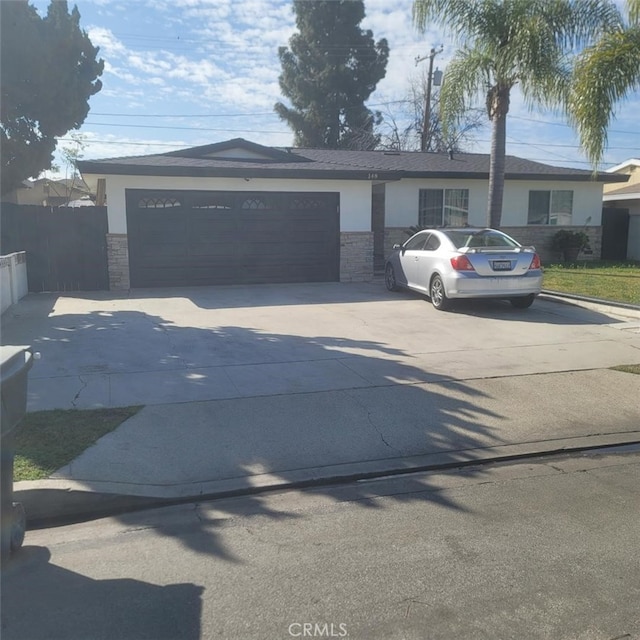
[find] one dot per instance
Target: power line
(534, 146)
(215, 115)
(182, 115)
(272, 113)
(183, 145)
(131, 144)
(160, 126)
(565, 124)
(207, 129)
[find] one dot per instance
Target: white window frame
(447, 206)
(558, 213)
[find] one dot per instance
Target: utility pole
(426, 125)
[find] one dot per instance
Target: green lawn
(628, 368)
(48, 440)
(619, 282)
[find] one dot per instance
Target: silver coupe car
(454, 263)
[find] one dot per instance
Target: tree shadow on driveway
(248, 408)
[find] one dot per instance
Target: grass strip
(48, 440)
(614, 282)
(628, 368)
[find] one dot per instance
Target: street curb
(51, 507)
(558, 296)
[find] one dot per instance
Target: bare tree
(402, 122)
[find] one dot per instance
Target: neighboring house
(621, 215)
(238, 212)
(49, 193)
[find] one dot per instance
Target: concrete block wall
(118, 261)
(13, 279)
(356, 256)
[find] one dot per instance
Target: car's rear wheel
(438, 295)
(524, 302)
(390, 277)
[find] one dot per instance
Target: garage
(187, 238)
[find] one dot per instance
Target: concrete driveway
(253, 387)
(183, 345)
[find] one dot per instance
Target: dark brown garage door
(182, 238)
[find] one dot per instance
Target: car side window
(416, 243)
(433, 243)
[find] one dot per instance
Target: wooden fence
(66, 246)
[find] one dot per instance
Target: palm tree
(504, 43)
(604, 74)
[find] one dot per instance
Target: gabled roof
(241, 158)
(632, 162)
(237, 150)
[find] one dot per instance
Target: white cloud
(216, 57)
(109, 44)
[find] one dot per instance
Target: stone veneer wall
(356, 256)
(394, 235)
(539, 236)
(118, 261)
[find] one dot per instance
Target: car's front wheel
(438, 295)
(390, 277)
(524, 302)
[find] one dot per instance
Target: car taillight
(535, 262)
(461, 263)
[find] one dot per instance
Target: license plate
(501, 265)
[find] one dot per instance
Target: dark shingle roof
(217, 160)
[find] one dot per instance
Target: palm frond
(460, 16)
(605, 74)
(466, 78)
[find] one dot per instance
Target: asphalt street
(540, 549)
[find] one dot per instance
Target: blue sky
(192, 72)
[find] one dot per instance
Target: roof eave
(480, 175)
(611, 197)
(97, 168)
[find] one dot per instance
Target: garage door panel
(232, 238)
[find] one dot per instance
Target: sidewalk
(184, 451)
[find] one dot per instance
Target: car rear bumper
(471, 285)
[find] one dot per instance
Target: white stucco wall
(587, 201)
(401, 201)
(355, 196)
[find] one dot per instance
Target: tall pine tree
(330, 69)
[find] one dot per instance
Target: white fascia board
(635, 162)
(609, 197)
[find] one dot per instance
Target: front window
(550, 207)
(443, 207)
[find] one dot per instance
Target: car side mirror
(397, 246)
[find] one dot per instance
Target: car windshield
(483, 238)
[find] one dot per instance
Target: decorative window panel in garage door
(182, 238)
